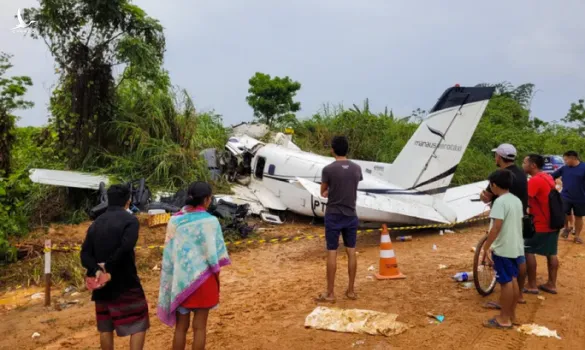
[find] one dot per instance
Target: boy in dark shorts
(339, 184)
(108, 255)
(504, 245)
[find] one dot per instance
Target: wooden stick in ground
(48, 272)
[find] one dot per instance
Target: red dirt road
(268, 291)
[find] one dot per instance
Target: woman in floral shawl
(193, 255)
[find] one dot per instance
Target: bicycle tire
(476, 264)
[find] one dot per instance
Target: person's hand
(487, 256)
(325, 194)
(486, 196)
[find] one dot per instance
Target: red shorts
(206, 296)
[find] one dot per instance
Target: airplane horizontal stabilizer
(464, 200)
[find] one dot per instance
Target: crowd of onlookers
(527, 214)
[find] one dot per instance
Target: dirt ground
(268, 291)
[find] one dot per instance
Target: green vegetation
(272, 99)
(137, 124)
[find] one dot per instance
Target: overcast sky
(400, 54)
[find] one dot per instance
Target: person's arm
(324, 183)
(87, 255)
(497, 214)
(129, 239)
(486, 195)
(557, 173)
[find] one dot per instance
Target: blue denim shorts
(185, 311)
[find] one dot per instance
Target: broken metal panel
(67, 178)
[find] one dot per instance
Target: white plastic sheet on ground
(541, 331)
(355, 321)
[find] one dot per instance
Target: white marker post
(48, 272)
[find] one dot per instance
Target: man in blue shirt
(573, 193)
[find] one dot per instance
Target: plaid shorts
(127, 314)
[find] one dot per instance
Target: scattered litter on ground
(442, 267)
(467, 285)
(441, 232)
(439, 318)
(358, 343)
(156, 268)
(540, 331)
(74, 294)
(449, 231)
(36, 335)
(355, 321)
(580, 255)
(36, 296)
(403, 238)
(434, 247)
(473, 249)
(69, 289)
(541, 297)
(462, 276)
(371, 268)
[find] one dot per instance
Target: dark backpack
(555, 207)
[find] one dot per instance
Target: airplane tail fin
(429, 159)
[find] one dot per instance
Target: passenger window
(259, 172)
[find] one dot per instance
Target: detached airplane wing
(67, 178)
(379, 206)
(464, 200)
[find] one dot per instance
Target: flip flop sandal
(565, 234)
(578, 240)
(544, 288)
(354, 297)
(493, 323)
(324, 299)
(492, 305)
(528, 291)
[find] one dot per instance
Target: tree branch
(90, 33)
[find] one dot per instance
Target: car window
(559, 160)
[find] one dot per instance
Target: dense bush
(380, 137)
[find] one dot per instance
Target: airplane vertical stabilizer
(431, 156)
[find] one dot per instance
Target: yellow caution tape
(285, 239)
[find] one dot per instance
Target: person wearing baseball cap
(505, 155)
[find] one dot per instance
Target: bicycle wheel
(484, 276)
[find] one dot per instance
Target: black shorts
(577, 208)
(338, 224)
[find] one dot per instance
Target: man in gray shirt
(339, 183)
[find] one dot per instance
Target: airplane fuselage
(276, 168)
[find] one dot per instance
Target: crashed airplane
(279, 176)
(414, 190)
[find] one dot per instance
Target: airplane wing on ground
(464, 200)
(259, 198)
(67, 178)
(372, 207)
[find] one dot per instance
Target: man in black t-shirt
(505, 155)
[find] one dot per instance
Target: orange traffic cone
(388, 262)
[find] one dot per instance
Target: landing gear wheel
(484, 276)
